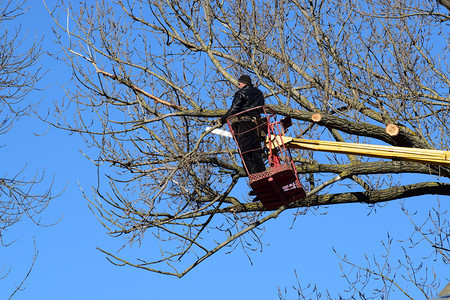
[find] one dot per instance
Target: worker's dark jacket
(245, 98)
(245, 130)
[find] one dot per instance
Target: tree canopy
(151, 75)
(18, 76)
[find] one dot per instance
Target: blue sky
(69, 266)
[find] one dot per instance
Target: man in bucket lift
(244, 125)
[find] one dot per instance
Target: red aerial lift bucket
(279, 185)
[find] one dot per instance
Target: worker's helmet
(245, 79)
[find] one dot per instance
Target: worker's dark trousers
(246, 135)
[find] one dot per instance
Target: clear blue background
(69, 266)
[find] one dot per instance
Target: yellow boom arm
(425, 156)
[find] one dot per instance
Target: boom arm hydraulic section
(425, 156)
